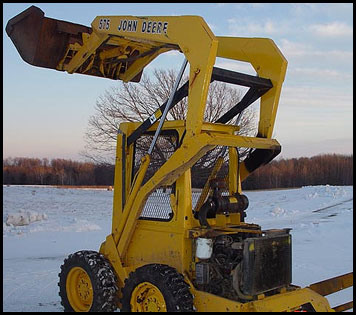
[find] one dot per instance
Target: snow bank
(24, 218)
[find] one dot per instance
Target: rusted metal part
(43, 41)
(216, 231)
(332, 285)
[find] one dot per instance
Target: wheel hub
(79, 290)
(146, 297)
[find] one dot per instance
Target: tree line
(331, 169)
(35, 171)
(326, 169)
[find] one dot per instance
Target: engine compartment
(242, 266)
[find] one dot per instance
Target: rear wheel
(156, 288)
(87, 283)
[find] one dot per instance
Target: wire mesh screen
(157, 206)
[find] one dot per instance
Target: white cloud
(294, 49)
(290, 48)
(309, 119)
(317, 98)
(249, 6)
(332, 10)
(320, 73)
(240, 27)
(334, 29)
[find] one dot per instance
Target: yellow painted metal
(183, 158)
(333, 285)
(127, 129)
(79, 290)
(201, 67)
(243, 171)
(174, 244)
(139, 64)
(179, 125)
(289, 301)
(229, 225)
(146, 297)
(180, 161)
(282, 302)
(267, 60)
(85, 52)
(233, 179)
(109, 249)
(149, 37)
(119, 180)
(135, 188)
(222, 221)
(167, 245)
(242, 141)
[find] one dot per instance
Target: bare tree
(137, 101)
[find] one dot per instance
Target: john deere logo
(149, 27)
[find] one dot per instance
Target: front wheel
(156, 288)
(87, 283)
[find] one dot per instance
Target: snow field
(62, 221)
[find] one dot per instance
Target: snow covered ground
(57, 222)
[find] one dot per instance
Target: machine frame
(119, 48)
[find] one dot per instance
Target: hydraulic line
(171, 96)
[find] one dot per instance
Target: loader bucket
(42, 41)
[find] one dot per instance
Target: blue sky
(45, 112)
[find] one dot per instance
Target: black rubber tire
(102, 277)
(168, 280)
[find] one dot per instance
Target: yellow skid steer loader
(173, 248)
